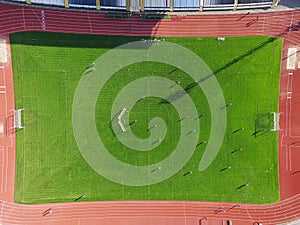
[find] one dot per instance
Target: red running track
(280, 24)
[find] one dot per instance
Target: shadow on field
(35, 38)
(188, 88)
(263, 124)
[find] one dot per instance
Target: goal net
(266, 122)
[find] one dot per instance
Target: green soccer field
(47, 70)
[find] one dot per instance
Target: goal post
(18, 119)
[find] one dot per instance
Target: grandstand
(154, 5)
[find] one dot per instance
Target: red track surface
(283, 24)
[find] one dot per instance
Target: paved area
(296, 222)
(288, 4)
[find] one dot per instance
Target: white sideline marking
(1, 129)
(291, 58)
(3, 53)
(2, 156)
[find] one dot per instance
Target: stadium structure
(151, 21)
(156, 5)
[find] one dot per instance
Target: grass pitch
(47, 69)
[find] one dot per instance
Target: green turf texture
(47, 68)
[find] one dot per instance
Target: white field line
(1, 129)
(286, 159)
(24, 25)
(6, 168)
(2, 167)
(289, 105)
(2, 156)
(5, 98)
(290, 159)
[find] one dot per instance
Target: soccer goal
(121, 124)
(18, 119)
(266, 122)
(276, 118)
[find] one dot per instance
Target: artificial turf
(47, 69)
